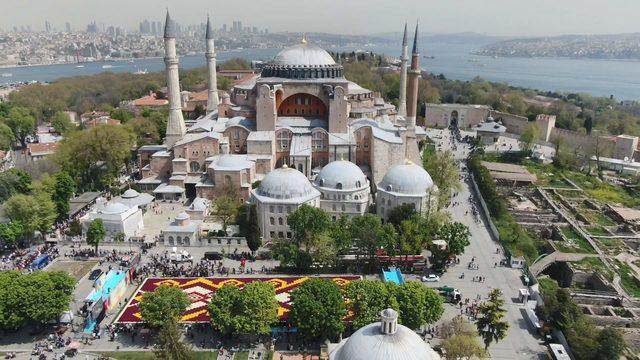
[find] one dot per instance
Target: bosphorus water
(619, 78)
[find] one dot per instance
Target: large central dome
(303, 61)
(303, 54)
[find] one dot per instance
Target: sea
(618, 78)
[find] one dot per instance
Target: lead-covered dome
(285, 184)
(407, 179)
(384, 340)
(303, 61)
(341, 175)
(114, 208)
(303, 54)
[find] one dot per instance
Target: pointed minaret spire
(169, 27)
(415, 41)
(209, 34)
(402, 100)
(210, 55)
(176, 127)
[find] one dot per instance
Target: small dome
(303, 54)
(408, 178)
(183, 216)
(130, 194)
(341, 174)
(285, 183)
(114, 208)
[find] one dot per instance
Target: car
(431, 278)
(95, 274)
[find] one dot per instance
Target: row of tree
(33, 299)
(319, 240)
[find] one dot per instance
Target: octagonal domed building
(406, 183)
(281, 192)
(384, 340)
(344, 189)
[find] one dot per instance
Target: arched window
(178, 240)
(339, 186)
(272, 221)
(389, 187)
(195, 167)
(227, 180)
(358, 184)
(280, 221)
(171, 240)
(300, 168)
(321, 182)
(283, 138)
(186, 240)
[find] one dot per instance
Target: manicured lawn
(149, 355)
(630, 283)
(579, 245)
(594, 264)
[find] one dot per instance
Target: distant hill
(618, 46)
(463, 37)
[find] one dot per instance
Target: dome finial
(285, 166)
(408, 162)
(304, 39)
(388, 321)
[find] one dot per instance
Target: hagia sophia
(300, 128)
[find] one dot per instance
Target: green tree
(610, 344)
(22, 123)
(367, 298)
(34, 212)
(365, 232)
(14, 181)
(61, 122)
(457, 237)
(401, 213)
(121, 114)
(95, 233)
(248, 311)
(306, 222)
(444, 171)
(253, 233)
(94, 157)
(7, 138)
(491, 326)
(235, 64)
(463, 347)
(528, 138)
(63, 188)
(169, 345)
(165, 304)
(145, 130)
(225, 209)
(418, 304)
(588, 123)
(340, 232)
(318, 309)
(11, 232)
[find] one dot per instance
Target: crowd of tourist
(22, 259)
(162, 265)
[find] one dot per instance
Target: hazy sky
(494, 17)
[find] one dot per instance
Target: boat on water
(6, 74)
(107, 66)
(79, 66)
(141, 72)
(429, 57)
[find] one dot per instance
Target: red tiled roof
(150, 100)
(101, 121)
(41, 148)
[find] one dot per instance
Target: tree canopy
(165, 304)
(418, 304)
(318, 309)
(491, 326)
(96, 233)
(367, 298)
(21, 122)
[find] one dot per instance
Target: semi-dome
(384, 340)
(183, 216)
(114, 208)
(303, 54)
(302, 61)
(287, 184)
(341, 175)
(407, 179)
(130, 194)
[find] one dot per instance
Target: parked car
(95, 274)
(431, 278)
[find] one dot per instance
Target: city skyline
(501, 17)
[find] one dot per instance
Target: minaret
(414, 76)
(402, 101)
(212, 101)
(175, 125)
(411, 146)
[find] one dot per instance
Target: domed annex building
(406, 183)
(344, 189)
(116, 218)
(384, 340)
(281, 192)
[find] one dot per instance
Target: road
(521, 341)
